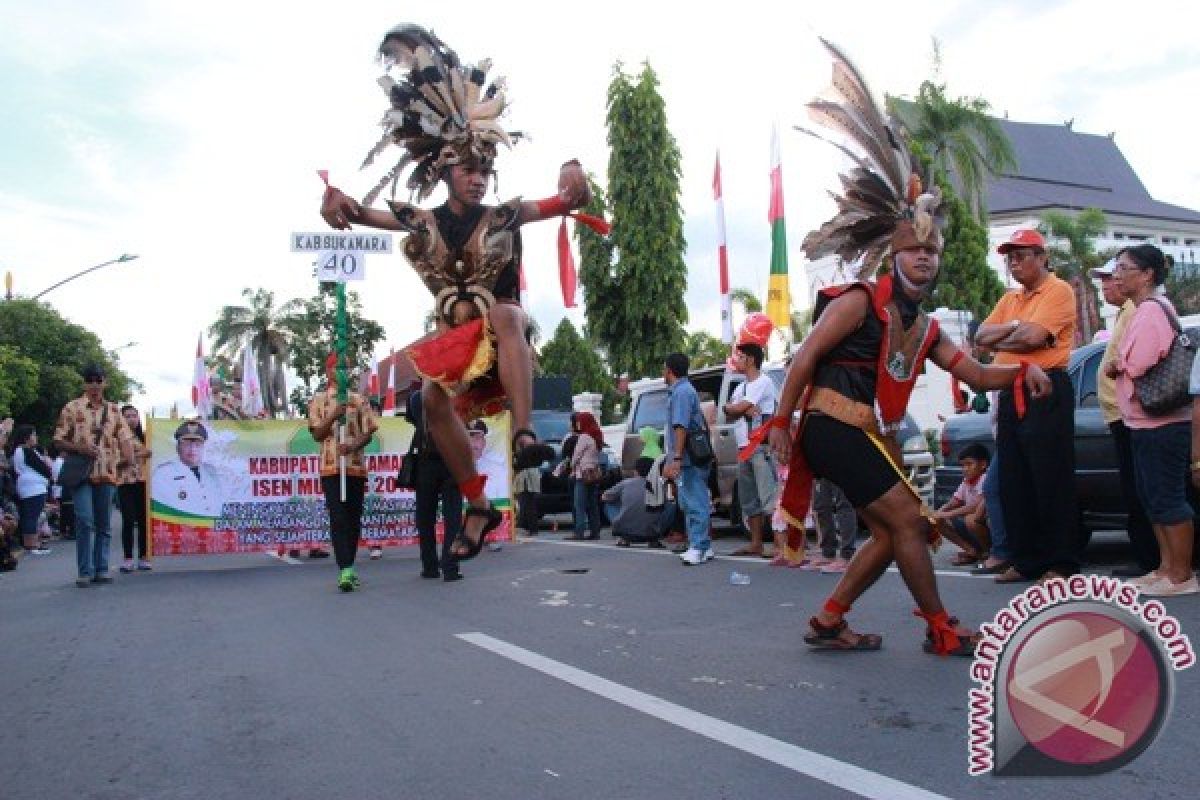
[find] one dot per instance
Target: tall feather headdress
(882, 205)
(442, 111)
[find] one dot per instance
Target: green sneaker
(348, 580)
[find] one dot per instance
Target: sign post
(341, 257)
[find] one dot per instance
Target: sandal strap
(827, 631)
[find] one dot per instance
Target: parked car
(551, 427)
(1097, 476)
(648, 406)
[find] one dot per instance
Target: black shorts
(846, 456)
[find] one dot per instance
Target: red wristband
(553, 206)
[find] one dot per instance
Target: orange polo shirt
(1051, 305)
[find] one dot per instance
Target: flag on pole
(723, 258)
(779, 301)
(252, 400)
(389, 391)
(373, 381)
(201, 390)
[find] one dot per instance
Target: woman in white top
(33, 484)
(585, 469)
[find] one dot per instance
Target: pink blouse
(1145, 343)
(586, 455)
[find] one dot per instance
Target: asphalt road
(554, 670)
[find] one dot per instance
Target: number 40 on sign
(341, 257)
(339, 266)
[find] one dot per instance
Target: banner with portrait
(249, 485)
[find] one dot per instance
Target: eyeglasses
(1019, 255)
(93, 380)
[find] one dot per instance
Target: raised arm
(341, 211)
(573, 193)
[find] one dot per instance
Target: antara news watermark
(1075, 677)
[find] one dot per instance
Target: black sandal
(531, 455)
(493, 517)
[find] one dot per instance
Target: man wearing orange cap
(1035, 324)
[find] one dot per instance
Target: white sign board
(339, 266)
(369, 243)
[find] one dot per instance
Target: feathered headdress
(882, 206)
(442, 112)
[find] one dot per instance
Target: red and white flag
(373, 383)
(389, 386)
(723, 258)
(201, 390)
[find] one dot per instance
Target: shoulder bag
(1164, 387)
(77, 467)
(699, 444)
(407, 476)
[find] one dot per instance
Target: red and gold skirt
(462, 360)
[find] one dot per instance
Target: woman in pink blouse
(585, 465)
(1161, 442)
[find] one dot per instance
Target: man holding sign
(467, 254)
(345, 510)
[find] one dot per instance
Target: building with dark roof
(1061, 169)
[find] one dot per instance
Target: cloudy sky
(189, 133)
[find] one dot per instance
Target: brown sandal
(829, 637)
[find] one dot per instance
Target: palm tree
(959, 138)
(748, 299)
(1072, 250)
(270, 331)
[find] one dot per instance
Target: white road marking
(854, 779)
(944, 573)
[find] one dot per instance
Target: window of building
(1118, 235)
(1169, 240)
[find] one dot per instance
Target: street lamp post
(119, 260)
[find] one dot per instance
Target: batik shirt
(78, 424)
(360, 418)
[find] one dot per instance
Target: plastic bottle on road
(739, 579)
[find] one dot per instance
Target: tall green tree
(1072, 249)
(569, 354)
(634, 283)
(573, 356)
(37, 343)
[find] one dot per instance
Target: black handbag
(77, 468)
(1164, 387)
(699, 445)
(406, 478)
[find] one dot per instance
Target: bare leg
(514, 360)
(897, 531)
(755, 525)
(1166, 561)
(1182, 536)
(450, 436)
(1175, 542)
